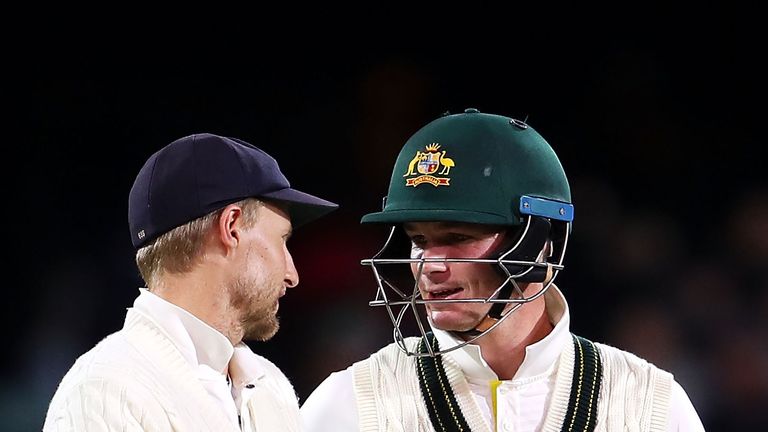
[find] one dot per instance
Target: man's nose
(435, 260)
(291, 278)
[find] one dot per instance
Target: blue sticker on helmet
(546, 208)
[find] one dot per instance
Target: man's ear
(229, 225)
(546, 252)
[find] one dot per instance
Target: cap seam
(197, 171)
(151, 181)
(247, 191)
(144, 225)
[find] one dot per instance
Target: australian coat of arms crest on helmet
(429, 167)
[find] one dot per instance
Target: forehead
(442, 226)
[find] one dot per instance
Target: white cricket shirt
(520, 402)
(204, 348)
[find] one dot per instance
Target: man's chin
(262, 331)
(452, 321)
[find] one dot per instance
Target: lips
(443, 294)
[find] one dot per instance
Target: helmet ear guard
(546, 221)
(529, 244)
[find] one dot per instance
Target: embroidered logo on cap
(428, 163)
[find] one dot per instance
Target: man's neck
(504, 347)
(203, 297)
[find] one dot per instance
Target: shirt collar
(246, 367)
(199, 343)
(539, 357)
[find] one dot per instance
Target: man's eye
(457, 238)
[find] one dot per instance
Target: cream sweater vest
(136, 380)
(634, 395)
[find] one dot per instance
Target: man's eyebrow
(441, 224)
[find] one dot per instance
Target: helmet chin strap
(528, 247)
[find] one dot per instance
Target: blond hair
(178, 250)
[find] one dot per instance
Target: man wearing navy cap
(209, 217)
(480, 212)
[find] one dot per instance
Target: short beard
(257, 316)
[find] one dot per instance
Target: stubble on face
(256, 302)
(261, 275)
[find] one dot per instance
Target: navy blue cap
(201, 173)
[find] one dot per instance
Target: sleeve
(97, 405)
(682, 414)
(332, 405)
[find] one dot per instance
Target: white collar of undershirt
(198, 342)
(539, 356)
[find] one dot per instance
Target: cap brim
(423, 215)
(302, 207)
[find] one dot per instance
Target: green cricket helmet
(475, 168)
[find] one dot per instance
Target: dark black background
(659, 127)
